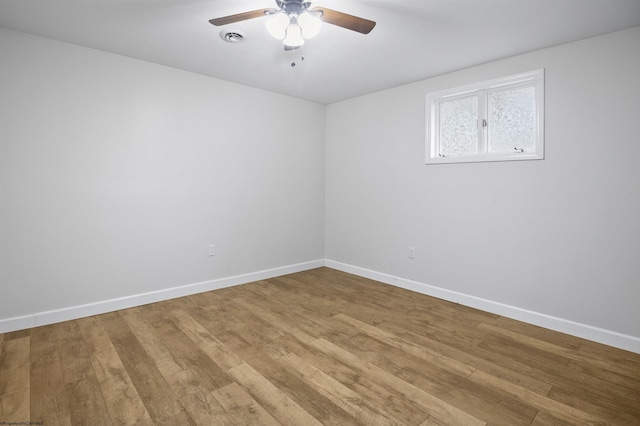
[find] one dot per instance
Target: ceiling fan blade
(240, 17)
(344, 20)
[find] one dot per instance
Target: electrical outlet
(412, 253)
(212, 249)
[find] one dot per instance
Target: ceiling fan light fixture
(277, 25)
(309, 24)
(294, 36)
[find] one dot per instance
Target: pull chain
(293, 54)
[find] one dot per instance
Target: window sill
(483, 158)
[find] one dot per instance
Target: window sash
(438, 153)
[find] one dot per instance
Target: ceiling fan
(294, 21)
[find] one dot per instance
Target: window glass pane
(512, 120)
(459, 126)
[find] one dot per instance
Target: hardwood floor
(313, 348)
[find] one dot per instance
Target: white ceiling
(413, 39)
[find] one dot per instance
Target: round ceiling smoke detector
(233, 36)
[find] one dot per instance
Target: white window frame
(533, 79)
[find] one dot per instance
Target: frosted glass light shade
(277, 25)
(294, 36)
(310, 25)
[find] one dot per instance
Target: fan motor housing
(296, 7)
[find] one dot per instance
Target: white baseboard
(607, 337)
(81, 311)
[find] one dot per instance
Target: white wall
(559, 237)
(116, 175)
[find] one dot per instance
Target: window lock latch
(516, 149)
(484, 122)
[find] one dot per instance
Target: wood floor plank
(271, 318)
(216, 318)
(546, 403)
(279, 405)
(254, 331)
(242, 408)
(533, 362)
(556, 338)
(572, 354)
(511, 375)
(14, 365)
(484, 403)
(585, 365)
(624, 388)
(423, 352)
(425, 326)
(19, 334)
(15, 384)
(84, 397)
(15, 407)
(342, 396)
(251, 323)
(287, 309)
(480, 377)
(430, 421)
(161, 403)
(152, 343)
(267, 362)
(546, 419)
(196, 395)
(314, 297)
(441, 381)
(392, 298)
(436, 406)
(601, 406)
(94, 335)
(86, 402)
(617, 362)
(389, 399)
(120, 395)
(529, 341)
(211, 345)
(176, 345)
(629, 362)
(49, 402)
(74, 357)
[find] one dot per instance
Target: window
(497, 120)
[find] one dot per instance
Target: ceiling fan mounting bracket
(293, 7)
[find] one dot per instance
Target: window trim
(533, 78)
